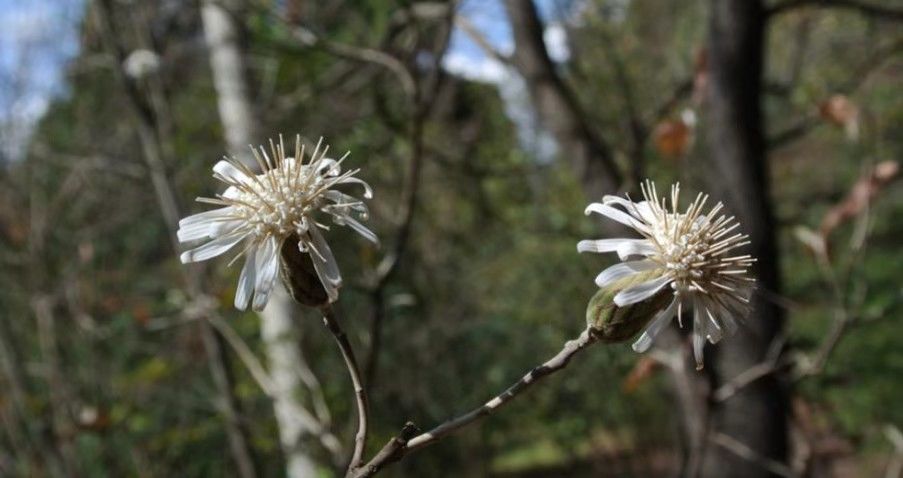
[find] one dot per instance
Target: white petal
(368, 191)
(713, 331)
(246, 280)
(636, 247)
(339, 197)
(662, 319)
(226, 169)
(640, 210)
(645, 211)
(231, 192)
(212, 248)
(616, 215)
(621, 270)
(326, 266)
(267, 262)
(328, 167)
(601, 245)
(361, 229)
(202, 225)
(641, 292)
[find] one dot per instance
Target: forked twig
(409, 441)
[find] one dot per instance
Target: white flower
(263, 210)
(691, 252)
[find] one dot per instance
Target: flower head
(264, 210)
(692, 253)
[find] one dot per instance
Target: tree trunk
(756, 416)
(557, 107)
(238, 117)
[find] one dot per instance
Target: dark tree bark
(756, 416)
(557, 107)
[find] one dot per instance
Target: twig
(255, 368)
(314, 425)
(397, 447)
(148, 125)
(477, 36)
(360, 439)
(774, 361)
(743, 451)
(864, 8)
(812, 119)
(423, 100)
(308, 38)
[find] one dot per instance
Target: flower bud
(299, 276)
(614, 324)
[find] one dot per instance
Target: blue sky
(39, 37)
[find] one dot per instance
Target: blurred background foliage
(113, 369)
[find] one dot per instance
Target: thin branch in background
(869, 9)
(59, 391)
(423, 100)
(406, 442)
(743, 451)
(308, 38)
(638, 130)
(863, 72)
(147, 124)
(472, 32)
(589, 154)
(774, 362)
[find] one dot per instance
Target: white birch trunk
(278, 331)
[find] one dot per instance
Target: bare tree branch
(590, 156)
(811, 120)
(477, 36)
(423, 100)
(870, 9)
(360, 394)
(146, 123)
(400, 446)
(744, 451)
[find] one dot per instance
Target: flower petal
(641, 292)
(246, 281)
(368, 191)
(616, 215)
(347, 202)
(662, 319)
(213, 248)
(621, 270)
(325, 264)
(227, 170)
(204, 224)
(361, 229)
(267, 266)
(713, 331)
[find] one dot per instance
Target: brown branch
(681, 91)
(637, 128)
(308, 38)
(360, 395)
(752, 456)
(590, 156)
(477, 36)
(423, 101)
(862, 72)
(397, 447)
(148, 131)
(868, 9)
